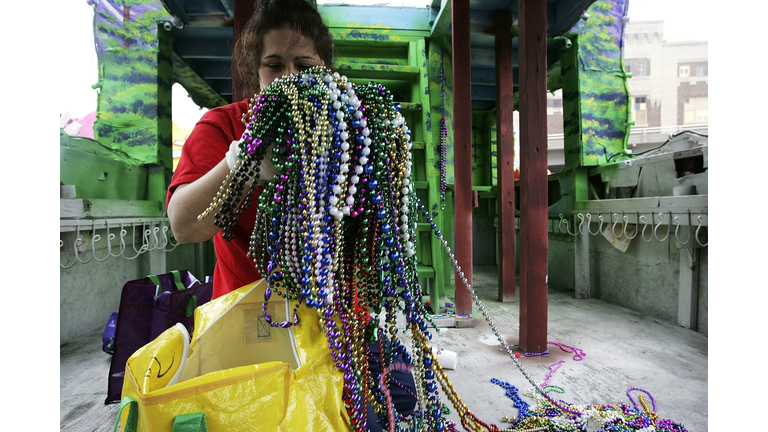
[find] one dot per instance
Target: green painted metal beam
(432, 160)
(371, 18)
(377, 71)
(201, 93)
(99, 172)
(442, 25)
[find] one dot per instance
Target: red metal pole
(243, 10)
(533, 175)
(462, 150)
(505, 157)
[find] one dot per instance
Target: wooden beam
(505, 156)
(244, 9)
(462, 150)
(533, 175)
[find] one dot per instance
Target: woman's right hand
(267, 170)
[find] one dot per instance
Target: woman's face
(284, 52)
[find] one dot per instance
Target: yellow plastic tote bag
(240, 372)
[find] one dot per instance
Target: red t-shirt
(204, 149)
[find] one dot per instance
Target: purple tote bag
(148, 307)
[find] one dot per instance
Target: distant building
(668, 89)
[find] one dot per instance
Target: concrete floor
(624, 349)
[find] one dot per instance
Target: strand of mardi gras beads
(513, 393)
(393, 203)
(484, 312)
(552, 369)
(293, 211)
(348, 145)
(443, 147)
(578, 354)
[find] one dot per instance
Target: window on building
(640, 111)
(692, 69)
(695, 110)
(700, 70)
(554, 106)
(638, 67)
(642, 68)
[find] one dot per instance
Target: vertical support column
(157, 185)
(688, 300)
(164, 108)
(505, 156)
(157, 261)
(244, 10)
(581, 271)
(419, 47)
(462, 149)
(533, 175)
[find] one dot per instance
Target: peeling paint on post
(595, 93)
(462, 116)
(135, 78)
(533, 176)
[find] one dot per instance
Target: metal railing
(667, 130)
(687, 228)
(151, 233)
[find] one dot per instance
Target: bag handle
(133, 414)
(193, 422)
(155, 280)
(176, 281)
(189, 308)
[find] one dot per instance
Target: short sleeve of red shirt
(204, 149)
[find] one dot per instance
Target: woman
(273, 44)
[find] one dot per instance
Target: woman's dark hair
(298, 15)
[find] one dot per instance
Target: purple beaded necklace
(443, 147)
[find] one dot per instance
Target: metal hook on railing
(155, 230)
(78, 243)
(169, 242)
(600, 218)
(700, 218)
(644, 220)
(123, 232)
(165, 236)
(589, 223)
(613, 227)
(581, 224)
(661, 222)
(600, 228)
(676, 220)
(150, 233)
(567, 225)
(110, 237)
(626, 222)
(146, 239)
(61, 245)
(96, 237)
(144, 245)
